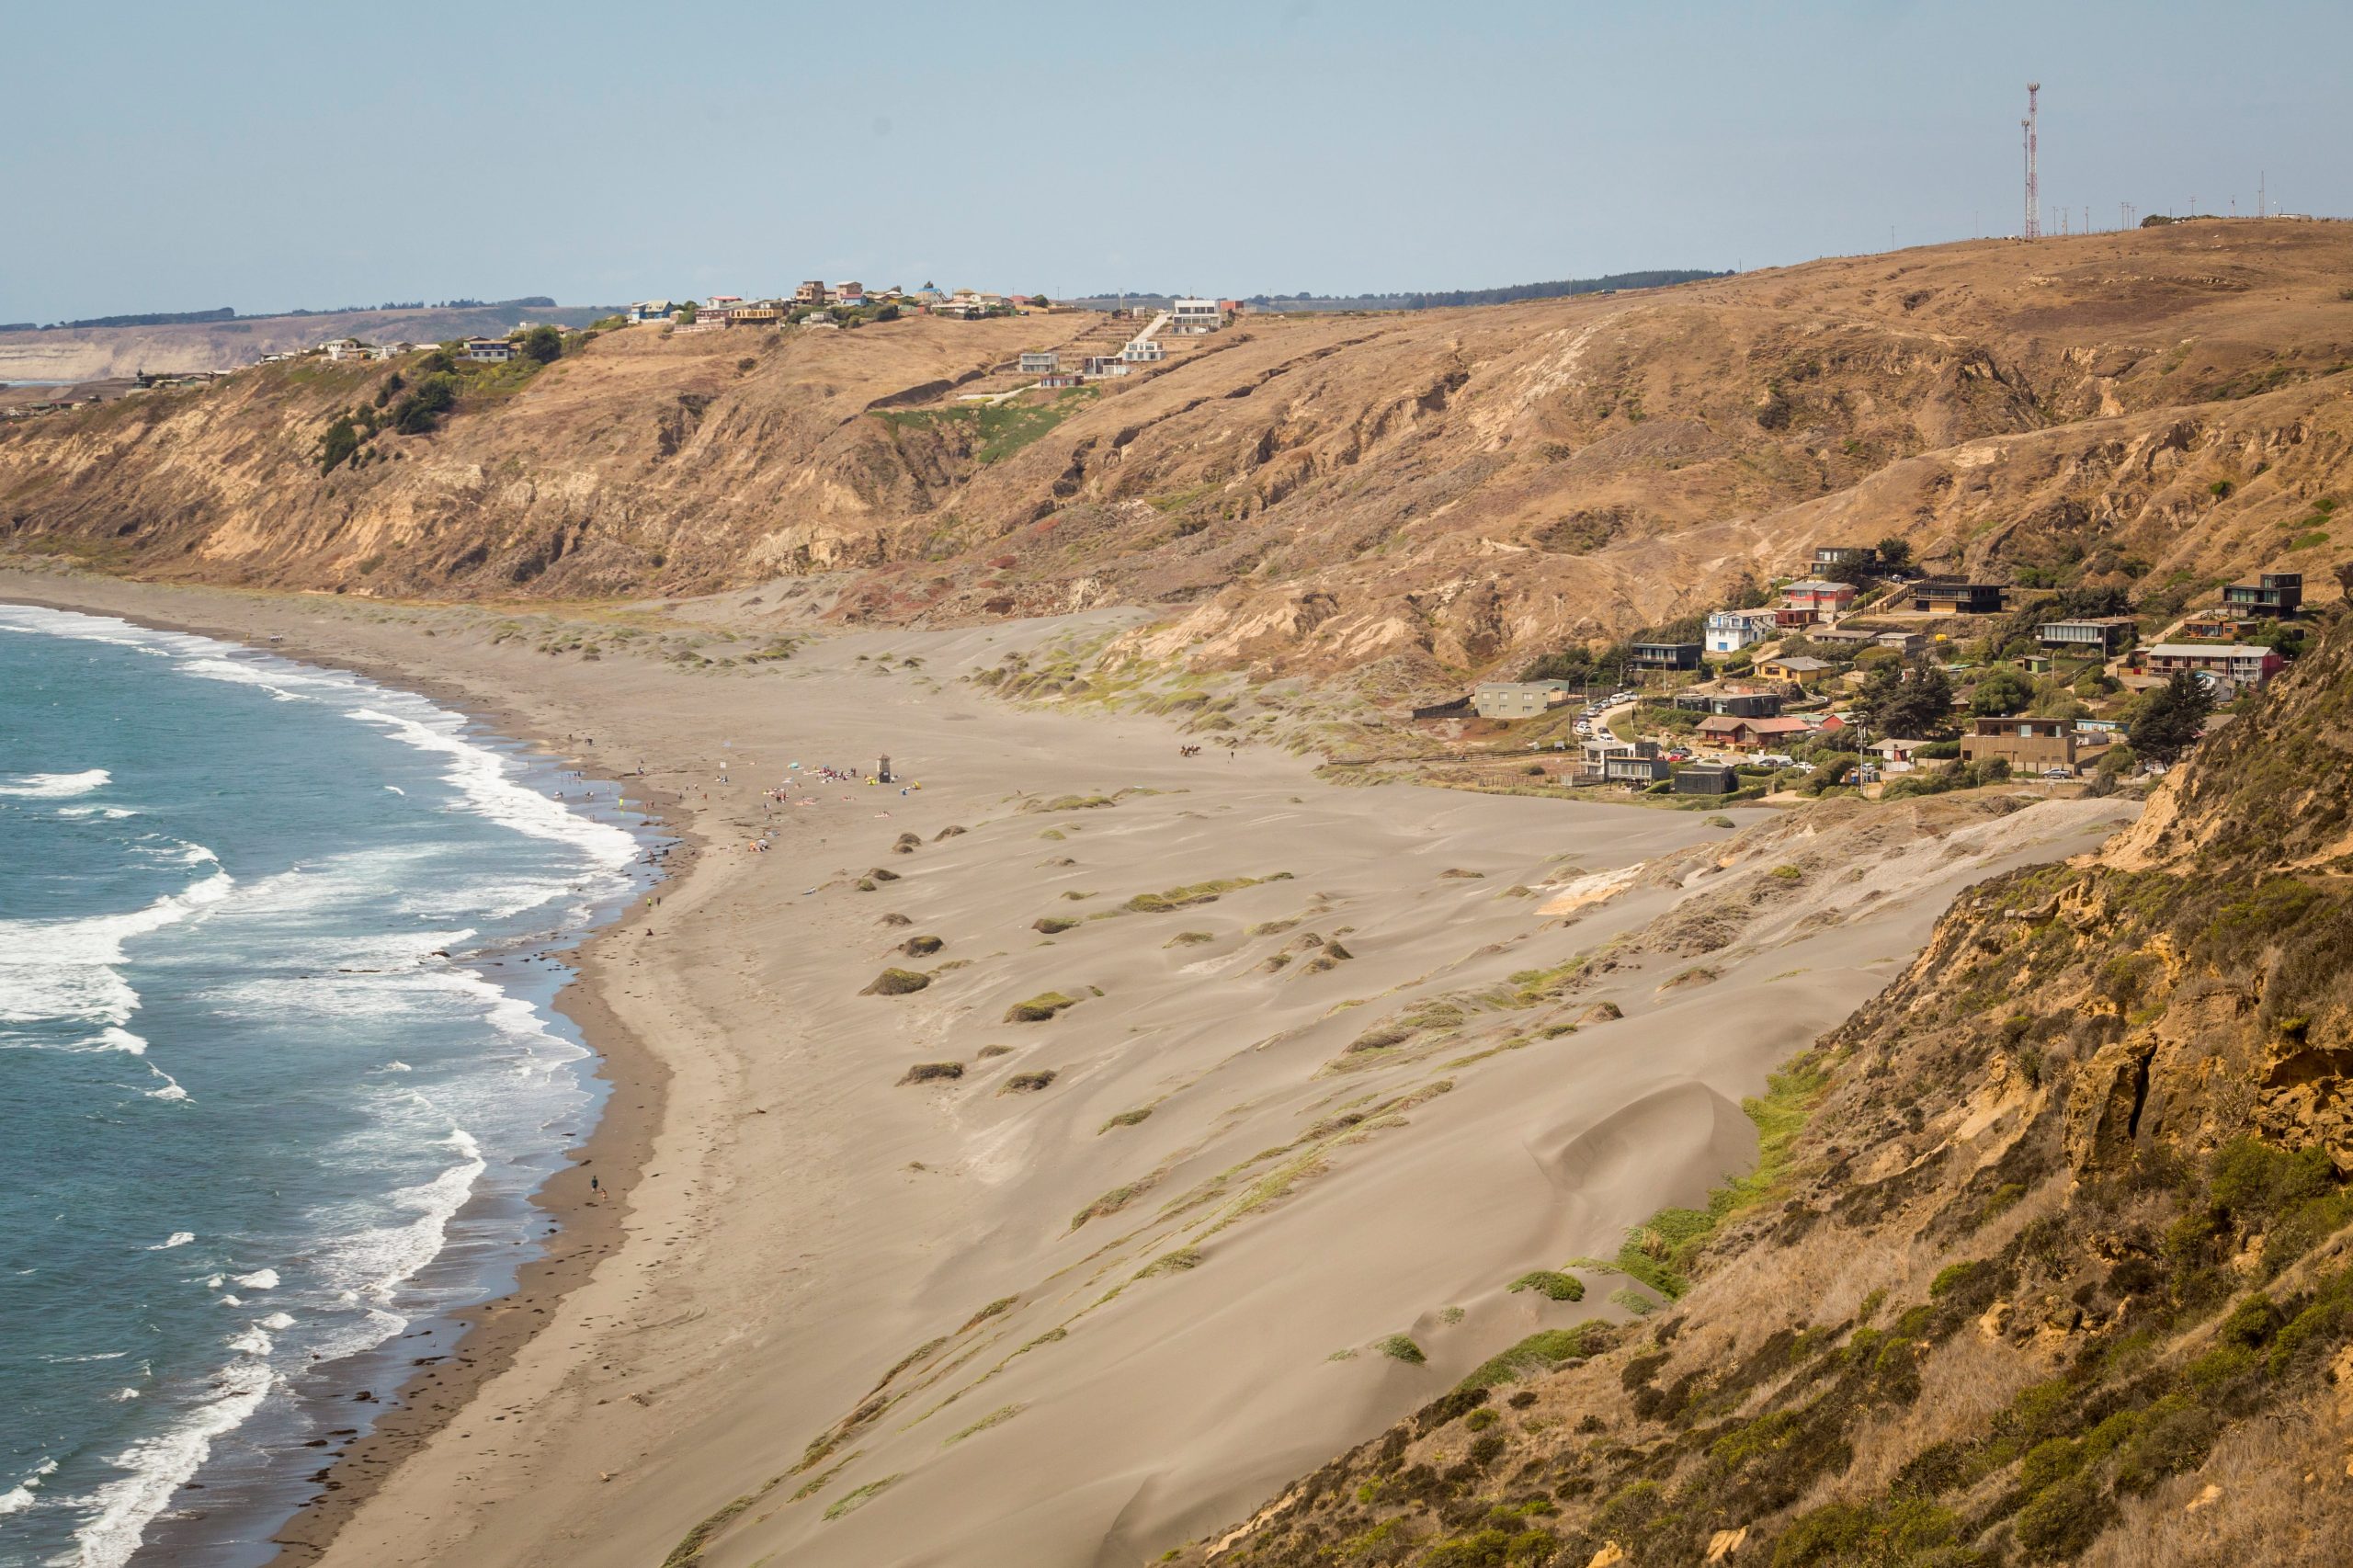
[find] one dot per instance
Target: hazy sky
(187, 155)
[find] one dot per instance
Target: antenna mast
(2033, 184)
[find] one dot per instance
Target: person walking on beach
(596, 1193)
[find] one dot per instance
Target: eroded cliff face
(1446, 490)
(2048, 1259)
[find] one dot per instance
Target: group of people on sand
(781, 793)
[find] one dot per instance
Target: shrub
(2063, 1519)
(1051, 925)
(1028, 1083)
(1401, 1348)
(337, 446)
(921, 947)
(1955, 1275)
(1555, 1285)
(542, 345)
(932, 1072)
(1038, 1007)
(1541, 1352)
(896, 983)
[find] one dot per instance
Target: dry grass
(1964, 1383)
(2282, 1497)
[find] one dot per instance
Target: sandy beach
(1249, 1073)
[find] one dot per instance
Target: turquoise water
(277, 1074)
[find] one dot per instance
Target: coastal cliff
(2052, 1265)
(1434, 493)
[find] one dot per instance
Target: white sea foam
(65, 969)
(487, 782)
(171, 1089)
(112, 813)
(259, 1279)
(176, 1239)
(19, 1497)
(157, 1467)
(124, 1396)
(277, 1323)
(55, 786)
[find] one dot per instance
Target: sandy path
(802, 1225)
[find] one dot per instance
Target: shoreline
(815, 1199)
(490, 1334)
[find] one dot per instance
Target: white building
(487, 351)
(1143, 351)
(649, 309)
(1040, 364)
(1730, 630)
(347, 348)
(1194, 316)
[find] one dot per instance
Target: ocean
(278, 1071)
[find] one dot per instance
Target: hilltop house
(1730, 630)
(1194, 316)
(812, 292)
(1517, 699)
(1040, 364)
(1143, 351)
(347, 348)
(1909, 643)
(1843, 555)
(649, 309)
(486, 350)
(850, 293)
(1106, 365)
(2274, 593)
(2244, 664)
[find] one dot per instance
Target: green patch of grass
(1052, 926)
(896, 983)
(1038, 1009)
(1125, 1118)
(1176, 1262)
(1002, 1304)
(1401, 1348)
(1189, 939)
(2308, 541)
(996, 1417)
(1552, 1284)
(1191, 894)
(1538, 1352)
(1634, 1301)
(850, 1502)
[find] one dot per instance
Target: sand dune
(1324, 1069)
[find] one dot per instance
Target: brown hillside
(87, 353)
(2048, 1259)
(1446, 490)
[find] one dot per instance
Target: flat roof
(2206, 649)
